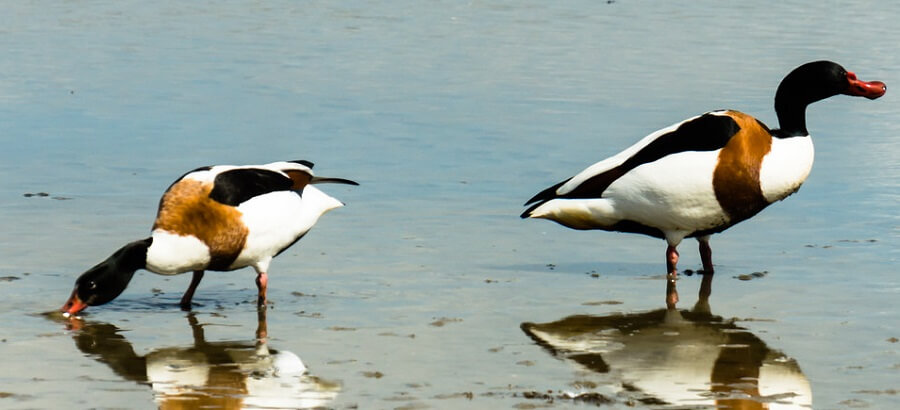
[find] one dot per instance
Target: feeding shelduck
(704, 174)
(219, 218)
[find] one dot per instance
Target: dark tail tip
(527, 213)
(303, 162)
(323, 180)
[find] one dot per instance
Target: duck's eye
(92, 285)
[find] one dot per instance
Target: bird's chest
(196, 225)
(171, 253)
(786, 167)
(754, 169)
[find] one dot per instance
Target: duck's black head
(816, 81)
(106, 281)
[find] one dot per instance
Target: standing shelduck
(219, 218)
(702, 175)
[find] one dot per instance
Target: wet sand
(473, 340)
(427, 290)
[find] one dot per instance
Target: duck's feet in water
(705, 254)
(671, 276)
(705, 285)
(671, 261)
(189, 293)
(708, 270)
(262, 281)
(671, 292)
(262, 329)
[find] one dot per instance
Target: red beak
(73, 305)
(868, 89)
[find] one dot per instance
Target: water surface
(450, 115)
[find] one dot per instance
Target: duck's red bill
(868, 89)
(73, 305)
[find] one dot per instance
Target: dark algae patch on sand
(751, 276)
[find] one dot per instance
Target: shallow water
(450, 115)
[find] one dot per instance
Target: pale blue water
(450, 115)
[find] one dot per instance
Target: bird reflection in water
(679, 358)
(224, 375)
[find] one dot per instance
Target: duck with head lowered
(702, 175)
(219, 218)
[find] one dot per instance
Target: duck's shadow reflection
(226, 375)
(678, 358)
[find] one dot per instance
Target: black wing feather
(236, 186)
(304, 163)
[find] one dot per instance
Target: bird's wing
(235, 186)
(707, 132)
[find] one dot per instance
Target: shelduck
(702, 175)
(220, 218)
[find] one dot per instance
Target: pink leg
(672, 260)
(672, 275)
(262, 280)
(189, 293)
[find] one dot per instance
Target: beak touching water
(74, 305)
